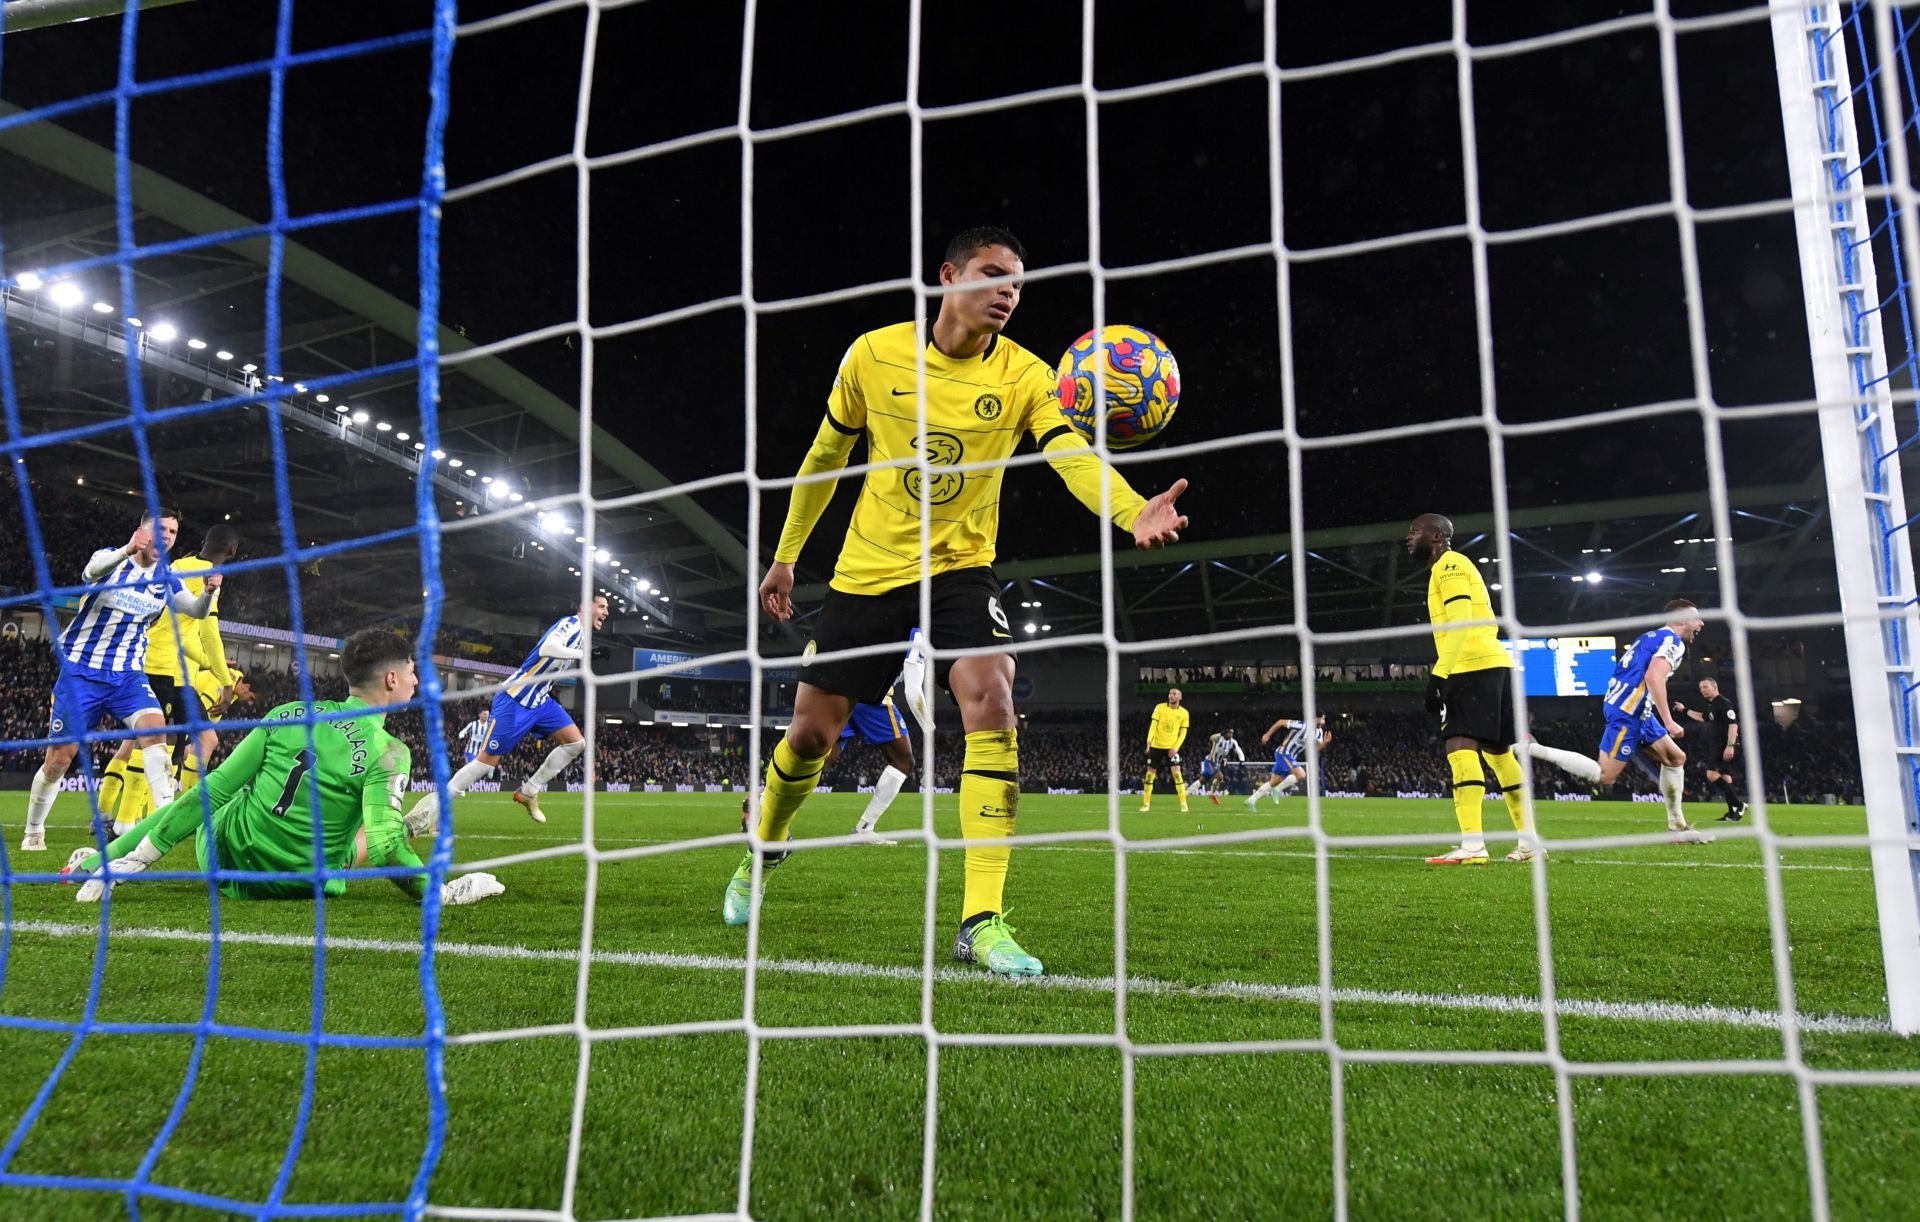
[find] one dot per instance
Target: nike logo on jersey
(903, 392)
(1005, 636)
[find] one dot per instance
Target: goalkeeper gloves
(1436, 694)
(424, 818)
(470, 889)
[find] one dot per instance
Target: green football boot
(737, 906)
(990, 943)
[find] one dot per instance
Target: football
(1142, 385)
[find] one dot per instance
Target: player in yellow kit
(124, 793)
(1166, 734)
(982, 394)
(1470, 691)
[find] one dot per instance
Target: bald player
(1470, 692)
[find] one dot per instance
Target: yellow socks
(989, 800)
(189, 771)
(1469, 790)
(1180, 787)
(1506, 771)
(1146, 791)
(790, 778)
(111, 786)
(133, 797)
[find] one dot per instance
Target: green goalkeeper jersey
(263, 808)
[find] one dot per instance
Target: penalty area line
(1620, 1011)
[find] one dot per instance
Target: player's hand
(212, 580)
(1676, 731)
(1436, 695)
(1678, 707)
(142, 539)
(1158, 524)
(470, 889)
(1727, 754)
(776, 592)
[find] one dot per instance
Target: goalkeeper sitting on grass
(262, 811)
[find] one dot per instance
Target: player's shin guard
(112, 785)
(462, 780)
(1146, 789)
(1573, 764)
(790, 778)
(1469, 790)
(989, 801)
(1506, 772)
(159, 762)
(40, 796)
(885, 790)
(1673, 785)
(557, 762)
(1180, 788)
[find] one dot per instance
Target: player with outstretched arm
(982, 393)
(102, 657)
(262, 803)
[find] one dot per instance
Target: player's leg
(1673, 782)
(113, 782)
(898, 751)
(1147, 779)
(793, 769)
(989, 805)
(1267, 786)
(138, 847)
(1582, 767)
(79, 699)
(1291, 781)
(1469, 791)
(551, 721)
(1179, 782)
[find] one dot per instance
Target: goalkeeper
(260, 797)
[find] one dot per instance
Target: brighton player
(102, 659)
(473, 736)
(124, 792)
(1723, 745)
(1639, 714)
(1289, 758)
(1166, 734)
(1225, 750)
(1468, 690)
(879, 725)
(261, 798)
(981, 394)
(524, 707)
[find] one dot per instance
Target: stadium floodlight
(419, 445)
(486, 479)
(403, 436)
(654, 590)
(132, 321)
(66, 294)
(454, 462)
(299, 388)
(439, 454)
(601, 555)
(515, 497)
(30, 281)
(361, 417)
(323, 398)
(222, 355)
(579, 538)
(103, 307)
(164, 332)
(1032, 628)
(1593, 578)
(198, 345)
(384, 427)
(249, 367)
(342, 408)
(664, 598)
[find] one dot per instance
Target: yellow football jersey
(209, 689)
(1455, 592)
(1168, 729)
(163, 657)
(976, 410)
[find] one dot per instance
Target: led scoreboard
(1565, 665)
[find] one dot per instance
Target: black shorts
(1711, 756)
(1480, 707)
(966, 615)
(179, 702)
(1157, 758)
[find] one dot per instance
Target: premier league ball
(1142, 385)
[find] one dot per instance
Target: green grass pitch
(1662, 952)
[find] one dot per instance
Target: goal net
(1546, 276)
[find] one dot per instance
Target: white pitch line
(1348, 854)
(1625, 1011)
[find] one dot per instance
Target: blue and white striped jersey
(1295, 742)
(1627, 690)
(110, 630)
(1227, 748)
(527, 689)
(474, 735)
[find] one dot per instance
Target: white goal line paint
(1624, 1011)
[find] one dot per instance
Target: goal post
(1860, 447)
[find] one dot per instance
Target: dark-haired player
(982, 393)
(1639, 714)
(1468, 690)
(102, 656)
(261, 796)
(1722, 753)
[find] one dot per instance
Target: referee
(1722, 752)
